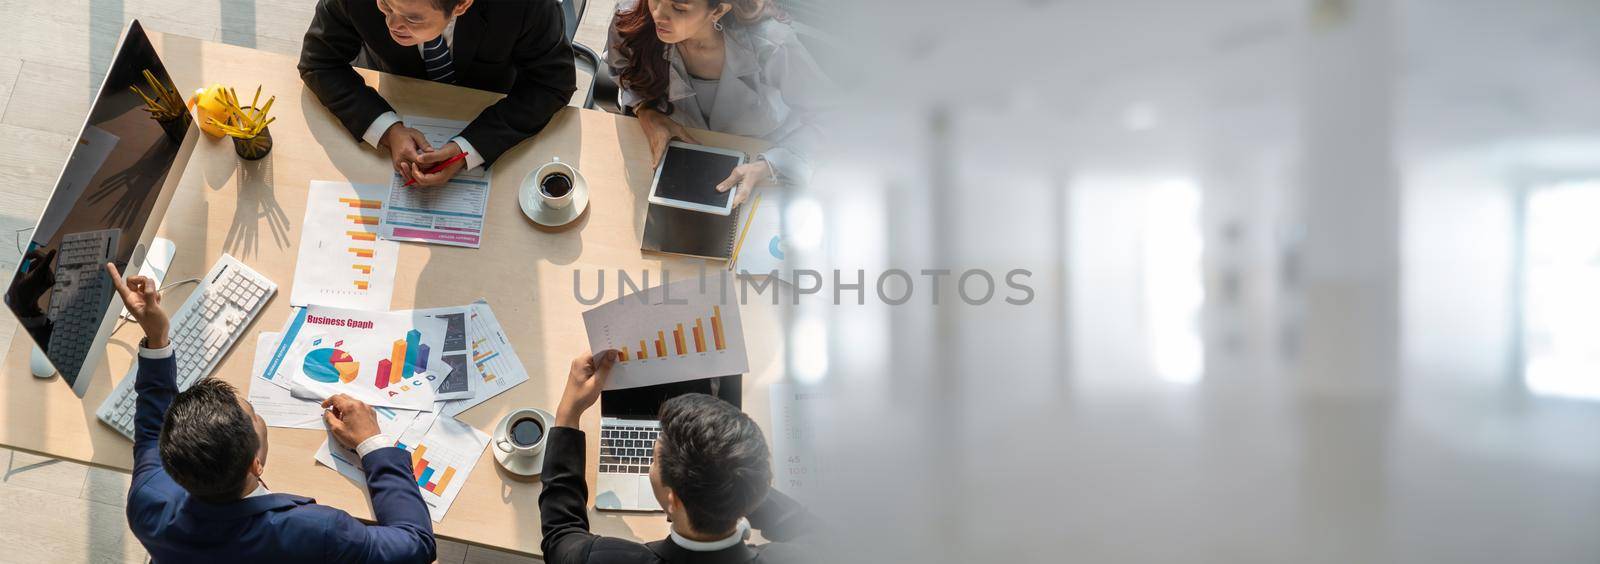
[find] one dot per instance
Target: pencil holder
(247, 125)
(253, 148)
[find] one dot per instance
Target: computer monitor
(108, 202)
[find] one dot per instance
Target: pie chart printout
(331, 365)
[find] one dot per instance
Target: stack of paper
(401, 363)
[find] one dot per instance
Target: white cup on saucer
(519, 439)
(554, 194)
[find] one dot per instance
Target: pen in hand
(440, 167)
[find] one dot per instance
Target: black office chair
(572, 11)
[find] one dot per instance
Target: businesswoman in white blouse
(733, 66)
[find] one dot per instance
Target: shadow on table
(257, 202)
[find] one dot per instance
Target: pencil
(739, 245)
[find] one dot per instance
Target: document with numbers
(795, 464)
(447, 215)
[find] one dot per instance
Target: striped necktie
(436, 58)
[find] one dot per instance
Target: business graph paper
(493, 358)
(443, 455)
(446, 215)
(676, 332)
(342, 262)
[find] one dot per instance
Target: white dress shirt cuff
(373, 443)
(474, 160)
(374, 134)
(155, 354)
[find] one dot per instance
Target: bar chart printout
(442, 457)
(391, 422)
(342, 262)
(494, 361)
(675, 333)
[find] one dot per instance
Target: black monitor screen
(645, 402)
(101, 205)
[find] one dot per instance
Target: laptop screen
(645, 402)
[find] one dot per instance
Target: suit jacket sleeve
(403, 532)
(563, 504)
(156, 383)
(782, 519)
(325, 54)
(546, 79)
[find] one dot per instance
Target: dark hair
(714, 458)
(647, 72)
(446, 6)
(208, 442)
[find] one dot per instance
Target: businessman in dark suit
(197, 493)
(711, 472)
(515, 47)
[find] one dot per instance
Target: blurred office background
(1316, 282)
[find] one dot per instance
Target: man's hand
(426, 162)
(143, 300)
(746, 176)
(660, 130)
(584, 382)
(350, 420)
(405, 146)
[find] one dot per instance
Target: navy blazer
(271, 528)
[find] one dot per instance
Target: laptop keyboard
(627, 450)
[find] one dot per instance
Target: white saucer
(519, 465)
(533, 205)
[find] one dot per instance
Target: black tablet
(688, 178)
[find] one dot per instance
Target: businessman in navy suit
(197, 493)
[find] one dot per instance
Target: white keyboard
(202, 331)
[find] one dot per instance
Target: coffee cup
(523, 432)
(555, 183)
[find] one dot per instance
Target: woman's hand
(746, 177)
(660, 130)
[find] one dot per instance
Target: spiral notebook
(739, 237)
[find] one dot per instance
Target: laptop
(628, 430)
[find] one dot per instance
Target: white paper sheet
(794, 457)
(447, 215)
(461, 379)
(382, 358)
(442, 457)
(273, 403)
(342, 262)
(677, 332)
(494, 360)
(391, 422)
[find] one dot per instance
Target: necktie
(436, 58)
